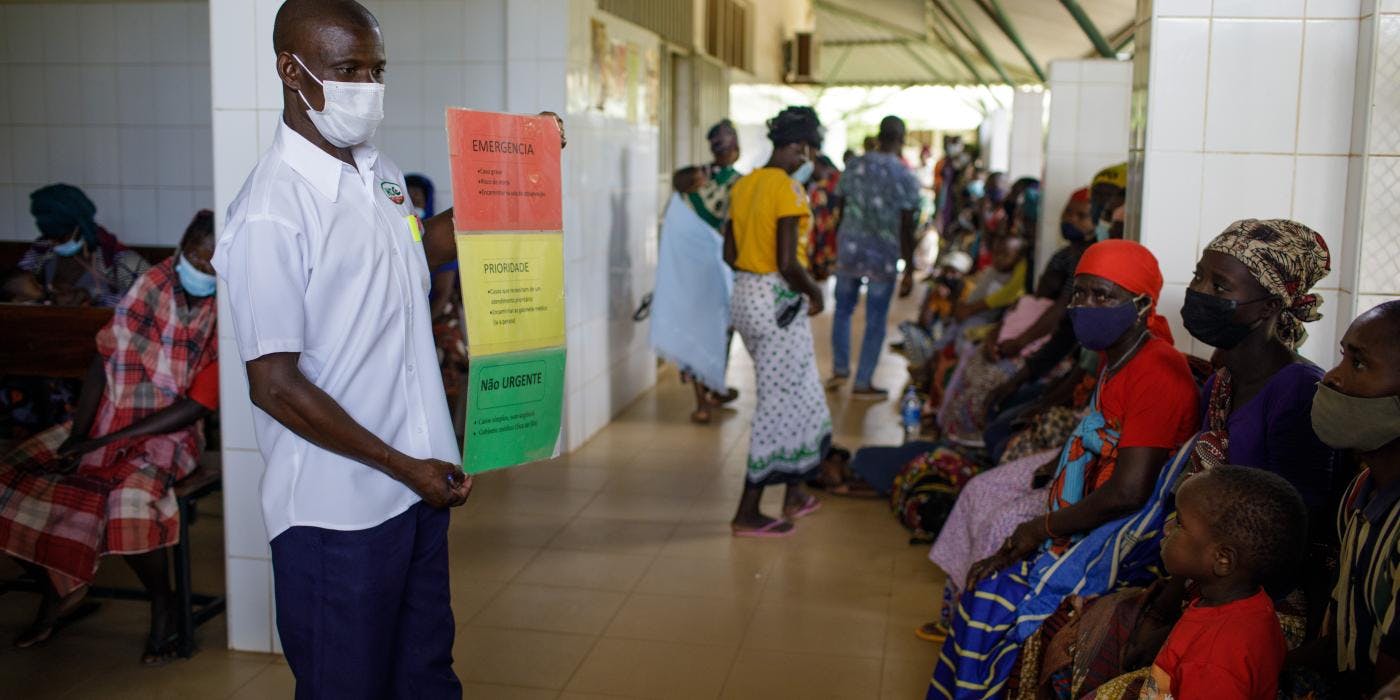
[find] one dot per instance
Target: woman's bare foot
(51, 611)
(160, 641)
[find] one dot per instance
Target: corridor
(607, 573)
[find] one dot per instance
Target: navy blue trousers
(367, 613)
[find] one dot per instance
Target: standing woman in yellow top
(773, 295)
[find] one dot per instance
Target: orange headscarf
(1131, 266)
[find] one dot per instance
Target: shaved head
(299, 20)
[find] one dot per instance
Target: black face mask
(1211, 319)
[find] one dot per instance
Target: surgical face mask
(1099, 327)
(1069, 232)
(196, 282)
(69, 249)
(1103, 231)
(977, 189)
(1211, 319)
(803, 173)
(421, 212)
(1346, 422)
(352, 112)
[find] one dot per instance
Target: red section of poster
(505, 171)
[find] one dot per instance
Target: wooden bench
(49, 341)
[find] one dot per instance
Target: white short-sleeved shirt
(319, 258)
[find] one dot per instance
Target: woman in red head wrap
(1108, 482)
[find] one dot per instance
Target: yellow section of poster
(513, 290)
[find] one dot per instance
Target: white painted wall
(112, 97)
(1027, 145)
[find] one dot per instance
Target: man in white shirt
(327, 286)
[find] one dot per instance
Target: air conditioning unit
(800, 58)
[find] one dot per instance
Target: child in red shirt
(1235, 528)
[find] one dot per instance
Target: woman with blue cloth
(1105, 506)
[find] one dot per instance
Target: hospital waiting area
(668, 349)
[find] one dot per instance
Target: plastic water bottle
(911, 409)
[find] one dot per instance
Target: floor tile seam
(748, 629)
(266, 667)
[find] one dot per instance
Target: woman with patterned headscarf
(1249, 298)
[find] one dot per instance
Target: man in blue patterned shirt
(881, 198)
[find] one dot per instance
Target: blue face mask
(69, 249)
(1070, 233)
(804, 172)
(977, 189)
(1102, 230)
(196, 282)
(1099, 327)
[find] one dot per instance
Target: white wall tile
(553, 34)
(60, 41)
(5, 155)
(1384, 131)
(26, 94)
(232, 54)
(98, 94)
(249, 586)
(1255, 8)
(1349, 9)
(1329, 60)
(1321, 344)
(521, 95)
(9, 230)
(244, 536)
(522, 35)
(66, 157)
(198, 19)
(1244, 187)
(235, 152)
(169, 23)
(484, 37)
(1319, 201)
(443, 25)
(108, 201)
(1177, 93)
(269, 84)
(61, 92)
(1253, 71)
(135, 38)
(174, 157)
(403, 32)
(1106, 70)
(174, 209)
(1180, 8)
(1103, 117)
(403, 96)
(442, 88)
(30, 161)
(1169, 305)
(96, 28)
(1064, 71)
(1366, 302)
(138, 155)
(1064, 115)
(1338, 310)
(139, 217)
(102, 155)
(1361, 100)
(1344, 253)
(202, 157)
(1379, 255)
(171, 85)
(24, 33)
(136, 95)
(1171, 213)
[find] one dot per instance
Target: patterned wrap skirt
(792, 423)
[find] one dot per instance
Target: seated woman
(75, 262)
(1249, 298)
(1104, 500)
(103, 485)
(75, 253)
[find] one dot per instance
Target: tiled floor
(607, 573)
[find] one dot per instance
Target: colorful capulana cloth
(792, 423)
(119, 499)
(994, 619)
(1287, 258)
(690, 307)
(711, 201)
(822, 253)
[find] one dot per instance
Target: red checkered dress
(119, 499)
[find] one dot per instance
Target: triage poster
(507, 215)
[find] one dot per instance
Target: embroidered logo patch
(392, 191)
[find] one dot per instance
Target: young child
(1236, 528)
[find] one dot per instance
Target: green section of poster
(515, 401)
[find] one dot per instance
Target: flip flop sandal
(768, 531)
(810, 506)
(65, 619)
(931, 632)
